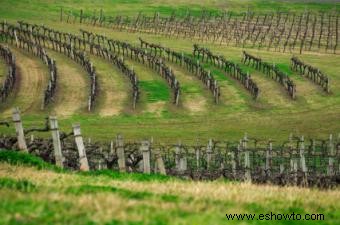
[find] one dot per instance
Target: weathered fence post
(159, 162)
(209, 153)
(120, 153)
(177, 156)
(56, 141)
(197, 153)
(145, 149)
(233, 163)
(84, 164)
(269, 158)
(247, 174)
(290, 146)
(330, 168)
(295, 170)
(19, 130)
(61, 14)
(182, 161)
(303, 160)
(81, 16)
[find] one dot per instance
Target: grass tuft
(21, 158)
(19, 185)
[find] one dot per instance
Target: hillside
(34, 192)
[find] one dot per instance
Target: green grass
(20, 185)
(155, 91)
(31, 195)
(21, 158)
(45, 9)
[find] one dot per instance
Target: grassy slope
(312, 114)
(27, 9)
(72, 87)
(32, 78)
(43, 194)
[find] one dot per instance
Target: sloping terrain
(34, 192)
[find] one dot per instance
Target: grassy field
(273, 115)
(34, 192)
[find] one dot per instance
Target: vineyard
(245, 92)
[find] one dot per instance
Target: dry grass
(72, 86)
(113, 88)
(181, 202)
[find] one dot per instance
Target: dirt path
(114, 88)
(72, 86)
(32, 81)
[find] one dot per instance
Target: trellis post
(209, 153)
(56, 141)
(177, 155)
(247, 174)
(233, 163)
(120, 153)
(160, 162)
(182, 161)
(145, 149)
(303, 160)
(197, 153)
(330, 168)
(269, 158)
(19, 130)
(84, 164)
(61, 14)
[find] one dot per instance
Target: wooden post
(16, 38)
(268, 157)
(303, 160)
(330, 168)
(282, 168)
(84, 164)
(120, 153)
(19, 130)
(247, 174)
(182, 161)
(197, 153)
(81, 16)
(160, 162)
(111, 148)
(209, 153)
(56, 141)
(233, 163)
(32, 138)
(61, 14)
(290, 146)
(295, 169)
(145, 149)
(177, 157)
